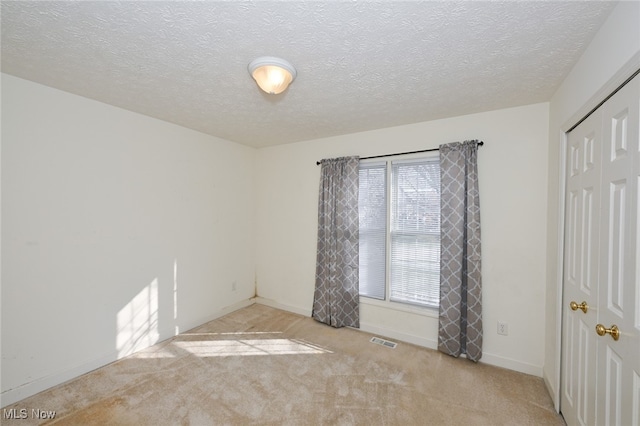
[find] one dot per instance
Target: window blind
(372, 206)
(415, 232)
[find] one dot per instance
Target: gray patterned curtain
(335, 300)
(460, 327)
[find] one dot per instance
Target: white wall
(610, 58)
(513, 197)
(118, 230)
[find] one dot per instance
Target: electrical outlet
(233, 286)
(503, 328)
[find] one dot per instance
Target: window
(399, 205)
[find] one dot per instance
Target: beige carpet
(264, 366)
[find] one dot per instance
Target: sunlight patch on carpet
(249, 347)
(154, 355)
(234, 333)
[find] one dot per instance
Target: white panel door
(580, 272)
(618, 367)
(601, 375)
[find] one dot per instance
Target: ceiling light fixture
(273, 75)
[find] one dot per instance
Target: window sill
(402, 307)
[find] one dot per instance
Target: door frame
(609, 88)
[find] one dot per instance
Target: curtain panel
(336, 295)
(460, 316)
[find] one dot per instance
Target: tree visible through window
(399, 205)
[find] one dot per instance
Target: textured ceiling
(361, 65)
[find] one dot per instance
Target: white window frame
(387, 303)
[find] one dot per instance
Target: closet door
(600, 368)
(581, 255)
(618, 369)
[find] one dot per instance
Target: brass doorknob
(583, 306)
(614, 331)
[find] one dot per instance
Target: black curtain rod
(400, 153)
(604, 100)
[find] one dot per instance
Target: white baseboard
(219, 313)
(512, 364)
(26, 390)
(487, 358)
(552, 391)
(278, 305)
(403, 337)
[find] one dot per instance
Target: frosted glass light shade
(273, 75)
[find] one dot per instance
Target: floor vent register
(383, 342)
